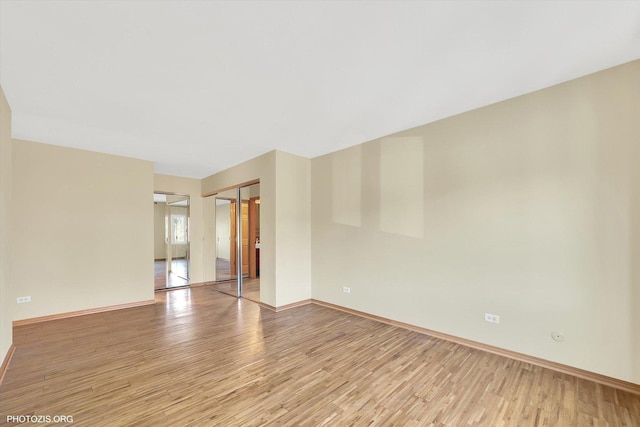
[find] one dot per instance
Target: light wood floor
(202, 358)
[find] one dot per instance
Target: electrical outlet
(492, 318)
(20, 300)
(346, 290)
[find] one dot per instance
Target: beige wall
(223, 231)
(293, 228)
(527, 209)
(92, 243)
(191, 188)
(6, 295)
(209, 219)
(159, 238)
(634, 257)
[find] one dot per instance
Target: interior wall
(223, 228)
(527, 209)
(6, 294)
(190, 187)
(93, 244)
(159, 238)
(209, 218)
(293, 229)
(634, 256)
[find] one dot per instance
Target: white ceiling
(199, 86)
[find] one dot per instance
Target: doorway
(171, 240)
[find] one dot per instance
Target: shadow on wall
(398, 174)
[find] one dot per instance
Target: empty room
(336, 213)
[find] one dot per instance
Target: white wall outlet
(20, 300)
(492, 318)
(346, 290)
(557, 336)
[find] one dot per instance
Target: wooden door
(233, 254)
(245, 238)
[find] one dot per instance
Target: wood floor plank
(198, 357)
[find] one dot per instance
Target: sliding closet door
(250, 196)
(237, 242)
(178, 244)
(226, 278)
